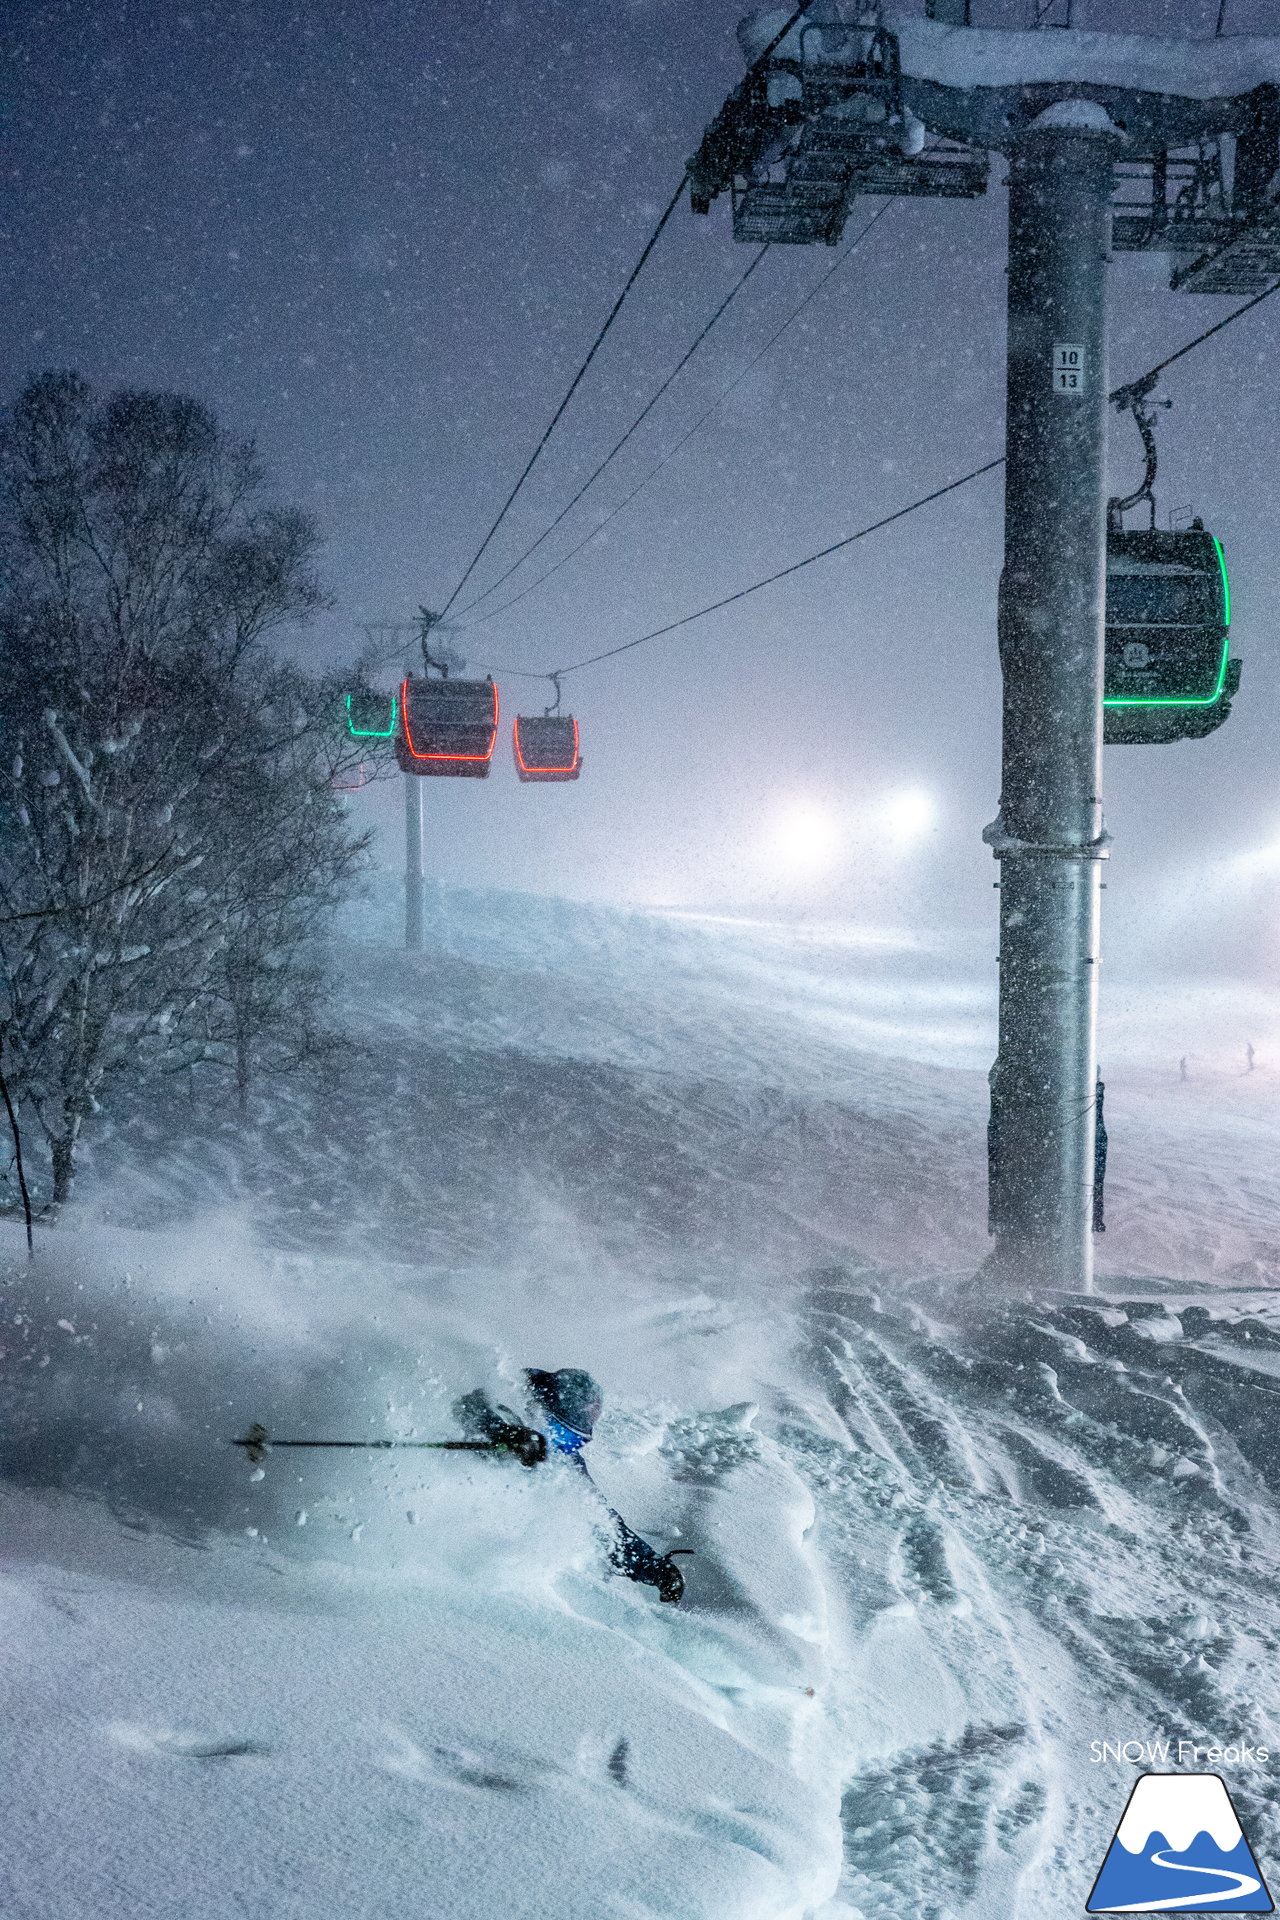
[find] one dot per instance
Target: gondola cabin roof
(1168, 672)
(546, 747)
(447, 727)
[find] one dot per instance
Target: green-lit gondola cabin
(371, 715)
(1168, 672)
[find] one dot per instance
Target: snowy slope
(941, 1545)
(399, 1684)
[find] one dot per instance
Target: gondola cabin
(447, 727)
(1168, 675)
(352, 780)
(546, 747)
(371, 716)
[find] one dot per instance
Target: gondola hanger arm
(1136, 399)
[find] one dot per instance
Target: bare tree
(261, 1009)
(140, 778)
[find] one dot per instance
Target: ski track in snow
(1077, 1553)
(941, 1544)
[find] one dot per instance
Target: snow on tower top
(1145, 63)
(1083, 116)
(967, 57)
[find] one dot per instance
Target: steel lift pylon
(1113, 141)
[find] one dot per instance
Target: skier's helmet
(570, 1397)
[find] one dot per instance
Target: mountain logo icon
(1180, 1848)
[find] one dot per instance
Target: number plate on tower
(1068, 368)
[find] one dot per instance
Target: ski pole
(526, 1445)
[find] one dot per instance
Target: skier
(569, 1403)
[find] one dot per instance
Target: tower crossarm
(902, 105)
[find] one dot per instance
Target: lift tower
(1113, 140)
(1048, 834)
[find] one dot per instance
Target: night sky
(380, 236)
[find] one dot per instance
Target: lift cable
(783, 572)
(1208, 334)
(838, 546)
(618, 445)
(685, 438)
(556, 673)
(615, 310)
(574, 384)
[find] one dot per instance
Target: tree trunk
(64, 1167)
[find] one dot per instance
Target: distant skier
(569, 1403)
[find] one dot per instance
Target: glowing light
(906, 815)
(804, 837)
(1253, 861)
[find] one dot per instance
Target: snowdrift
(941, 1545)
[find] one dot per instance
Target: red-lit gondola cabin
(546, 747)
(352, 780)
(447, 727)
